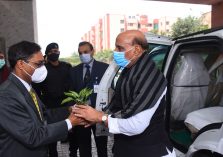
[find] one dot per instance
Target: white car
(194, 113)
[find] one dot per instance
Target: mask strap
(130, 49)
(27, 73)
(132, 56)
(29, 65)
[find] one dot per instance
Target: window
(167, 22)
(122, 30)
(193, 66)
(149, 25)
(195, 83)
(158, 54)
(122, 21)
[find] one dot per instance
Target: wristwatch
(104, 118)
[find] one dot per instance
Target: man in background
(51, 90)
(4, 70)
(87, 74)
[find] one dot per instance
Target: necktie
(33, 95)
(87, 75)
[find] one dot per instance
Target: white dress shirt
(136, 124)
(133, 125)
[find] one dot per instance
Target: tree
(186, 26)
(74, 59)
(104, 56)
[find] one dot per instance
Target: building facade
(206, 19)
(105, 31)
(103, 34)
(165, 23)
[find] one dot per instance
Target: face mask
(120, 59)
(2, 63)
(53, 57)
(39, 74)
(85, 58)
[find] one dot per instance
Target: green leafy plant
(80, 98)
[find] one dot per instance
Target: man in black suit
(23, 131)
(87, 74)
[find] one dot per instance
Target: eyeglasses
(39, 64)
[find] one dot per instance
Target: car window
(158, 59)
(158, 55)
(152, 46)
(196, 82)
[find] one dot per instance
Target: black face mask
(53, 57)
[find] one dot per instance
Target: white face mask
(85, 58)
(39, 74)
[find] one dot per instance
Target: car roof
(213, 31)
(157, 39)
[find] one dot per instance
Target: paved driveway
(63, 148)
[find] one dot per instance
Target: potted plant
(80, 98)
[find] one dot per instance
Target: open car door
(194, 71)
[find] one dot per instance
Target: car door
(193, 69)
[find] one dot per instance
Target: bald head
(133, 37)
(133, 43)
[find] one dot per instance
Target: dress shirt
(133, 125)
(28, 87)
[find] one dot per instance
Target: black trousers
(53, 150)
(80, 138)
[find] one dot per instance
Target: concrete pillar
(216, 17)
(17, 21)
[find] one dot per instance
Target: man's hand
(88, 113)
(76, 120)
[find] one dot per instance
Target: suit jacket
(22, 132)
(98, 70)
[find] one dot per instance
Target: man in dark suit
(87, 74)
(23, 131)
